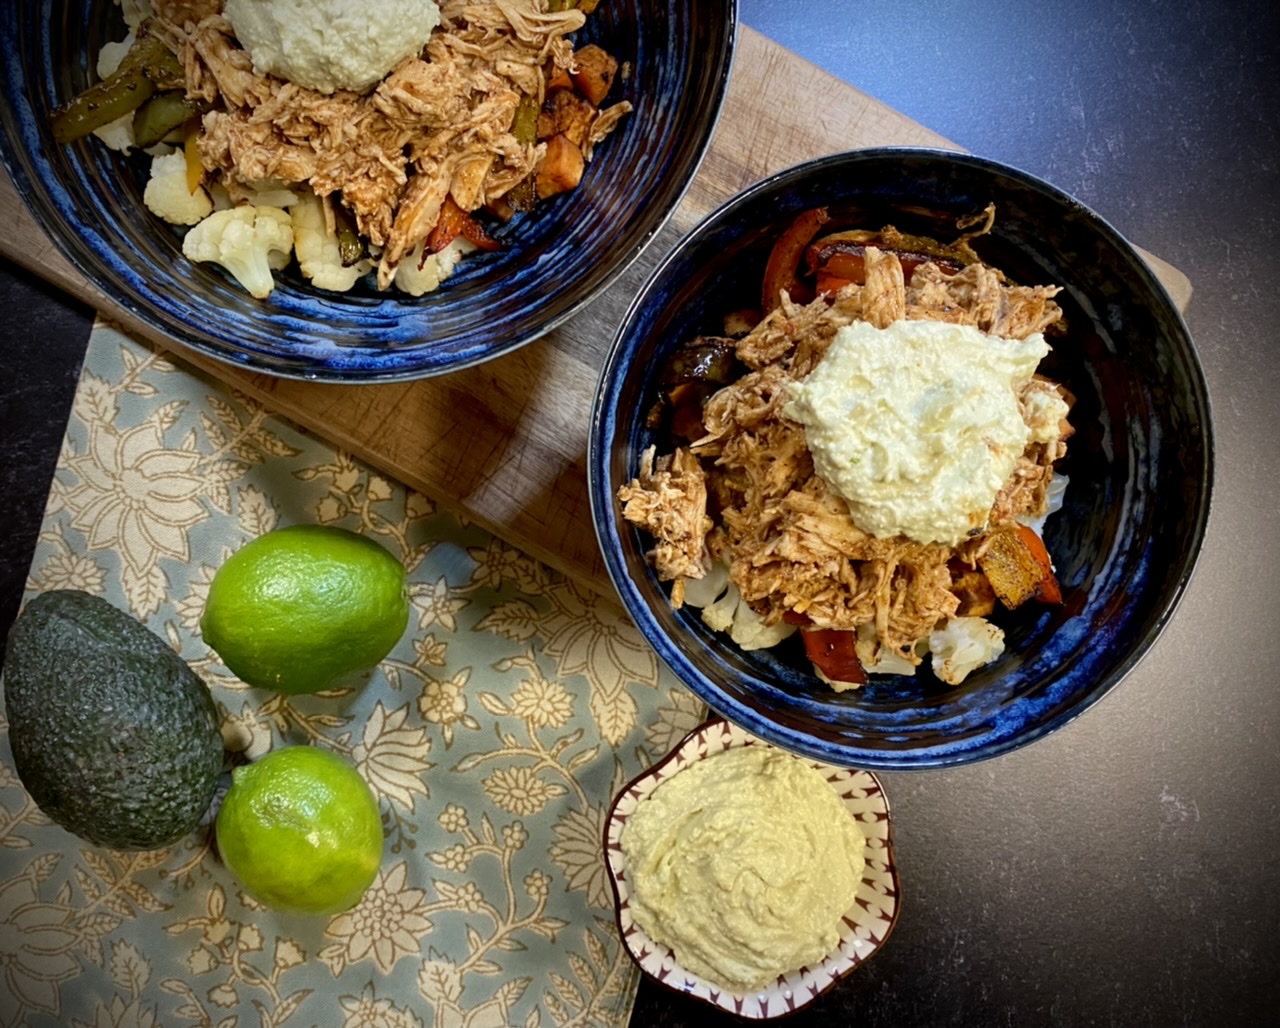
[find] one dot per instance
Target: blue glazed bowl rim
(607, 520)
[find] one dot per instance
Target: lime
(301, 830)
(306, 608)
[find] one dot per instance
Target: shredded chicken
(182, 12)
(437, 126)
(789, 541)
(669, 500)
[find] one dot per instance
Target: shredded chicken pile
(436, 126)
(788, 540)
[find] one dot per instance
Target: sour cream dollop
(917, 425)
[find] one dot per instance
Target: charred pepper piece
(351, 247)
(781, 271)
(1018, 567)
(148, 65)
(454, 222)
(833, 651)
(691, 375)
(161, 114)
(837, 263)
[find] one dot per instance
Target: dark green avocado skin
(113, 735)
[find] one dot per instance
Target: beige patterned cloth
(495, 736)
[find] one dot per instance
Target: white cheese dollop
(327, 45)
(917, 425)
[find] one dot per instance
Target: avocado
(113, 735)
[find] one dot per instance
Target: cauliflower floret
(877, 659)
(751, 633)
(118, 134)
(724, 611)
(744, 625)
(111, 54)
(962, 645)
(248, 241)
(270, 193)
(166, 193)
(317, 250)
(700, 592)
(135, 11)
(416, 276)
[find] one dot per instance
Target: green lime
(306, 608)
(301, 830)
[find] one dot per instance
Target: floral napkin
(495, 736)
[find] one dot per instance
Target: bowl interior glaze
(89, 200)
(1139, 464)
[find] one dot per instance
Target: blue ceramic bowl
(553, 262)
(1139, 464)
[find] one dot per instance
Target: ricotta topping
(918, 425)
(327, 45)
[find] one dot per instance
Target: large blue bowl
(553, 262)
(1140, 464)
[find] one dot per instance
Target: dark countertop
(1124, 870)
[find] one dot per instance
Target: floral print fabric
(494, 735)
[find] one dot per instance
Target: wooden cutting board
(505, 443)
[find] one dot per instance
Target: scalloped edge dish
(864, 928)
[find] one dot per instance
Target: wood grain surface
(504, 443)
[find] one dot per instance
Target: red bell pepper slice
(843, 259)
(832, 652)
(454, 222)
(784, 260)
